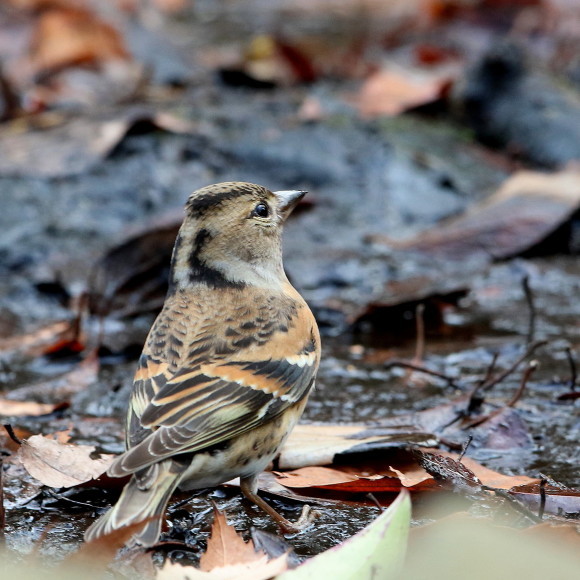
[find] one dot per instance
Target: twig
(420, 329)
(542, 498)
(499, 378)
(515, 503)
(531, 307)
(421, 369)
(573, 373)
(372, 497)
(464, 448)
(530, 370)
(64, 498)
(11, 434)
(533, 365)
(474, 401)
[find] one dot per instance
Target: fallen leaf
(227, 557)
(319, 444)
(117, 289)
(564, 502)
(393, 310)
(357, 479)
(62, 387)
(377, 551)
(484, 475)
(42, 340)
(71, 37)
(10, 408)
(100, 552)
(448, 470)
(527, 209)
(391, 92)
(73, 146)
(58, 464)
(225, 546)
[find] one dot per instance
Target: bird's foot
(305, 520)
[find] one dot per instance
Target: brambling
(228, 365)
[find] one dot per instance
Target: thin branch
(414, 367)
(532, 366)
(420, 329)
(542, 498)
(530, 370)
(499, 378)
(531, 308)
(464, 448)
(11, 434)
(521, 508)
(375, 501)
(573, 372)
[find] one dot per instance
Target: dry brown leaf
(59, 464)
(527, 208)
(63, 386)
(227, 557)
(559, 500)
(100, 552)
(390, 92)
(69, 37)
(318, 444)
(25, 408)
(314, 476)
(226, 546)
(72, 146)
(411, 474)
(41, 340)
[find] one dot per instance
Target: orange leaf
(226, 547)
(71, 37)
(25, 408)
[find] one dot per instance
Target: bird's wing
(202, 406)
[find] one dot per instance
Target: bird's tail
(145, 497)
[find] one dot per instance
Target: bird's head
(231, 236)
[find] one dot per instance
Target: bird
(227, 366)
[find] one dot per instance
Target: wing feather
(218, 384)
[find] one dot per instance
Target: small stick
(532, 367)
(490, 368)
(11, 434)
(515, 398)
(531, 307)
(515, 503)
(464, 448)
(573, 373)
(420, 329)
(58, 496)
(372, 497)
(475, 402)
(421, 369)
(499, 378)
(542, 498)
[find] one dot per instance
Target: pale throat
(262, 273)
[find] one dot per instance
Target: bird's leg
(249, 486)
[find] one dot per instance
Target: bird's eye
(261, 210)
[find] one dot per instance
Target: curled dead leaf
(58, 464)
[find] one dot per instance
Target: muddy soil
(394, 177)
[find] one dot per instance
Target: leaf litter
(424, 428)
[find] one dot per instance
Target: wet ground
(394, 177)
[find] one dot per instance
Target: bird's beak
(287, 201)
